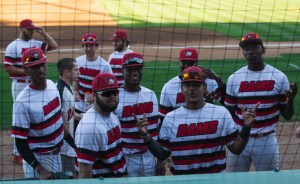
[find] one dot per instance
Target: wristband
(245, 133)
(145, 135)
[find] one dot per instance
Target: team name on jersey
(200, 128)
(137, 109)
(51, 106)
(180, 98)
(254, 86)
(113, 135)
(88, 71)
(115, 61)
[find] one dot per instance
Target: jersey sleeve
(165, 106)
(21, 121)
(164, 134)
(230, 98)
(10, 56)
(285, 86)
(230, 128)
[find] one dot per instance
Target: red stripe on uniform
(46, 125)
(48, 139)
(198, 160)
(19, 133)
(86, 157)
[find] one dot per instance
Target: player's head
(193, 84)
(188, 57)
(90, 44)
(120, 40)
(253, 48)
(34, 62)
(132, 68)
(67, 69)
(106, 92)
(27, 28)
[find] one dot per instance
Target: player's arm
(241, 140)
(14, 70)
(154, 147)
(52, 45)
(84, 170)
(75, 90)
(287, 110)
(68, 137)
(28, 156)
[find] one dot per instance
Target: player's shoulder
(81, 58)
(271, 69)
(146, 90)
(174, 81)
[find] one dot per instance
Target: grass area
(274, 20)
(157, 73)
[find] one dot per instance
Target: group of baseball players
(98, 121)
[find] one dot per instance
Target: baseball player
(13, 64)
(37, 120)
(136, 99)
(258, 82)
(121, 47)
(89, 65)
(98, 135)
(196, 133)
(171, 95)
(68, 72)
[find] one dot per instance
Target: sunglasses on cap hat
(250, 36)
(108, 93)
(193, 76)
(134, 60)
(89, 39)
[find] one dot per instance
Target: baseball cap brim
(89, 43)
(35, 63)
(192, 80)
(110, 88)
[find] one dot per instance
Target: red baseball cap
(104, 82)
(33, 56)
(132, 59)
(250, 38)
(89, 38)
(27, 23)
(119, 35)
(193, 73)
(188, 54)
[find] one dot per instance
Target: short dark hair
(65, 64)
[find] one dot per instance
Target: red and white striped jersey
(87, 72)
(14, 51)
(143, 101)
(67, 102)
(37, 118)
(171, 96)
(197, 138)
(115, 61)
(248, 87)
(98, 142)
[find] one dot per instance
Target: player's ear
(263, 49)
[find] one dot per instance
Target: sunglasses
(134, 60)
(89, 39)
(250, 36)
(108, 93)
(193, 75)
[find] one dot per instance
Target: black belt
(52, 152)
(262, 134)
(23, 81)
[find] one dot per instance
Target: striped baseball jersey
(248, 87)
(67, 102)
(87, 72)
(14, 51)
(143, 101)
(37, 118)
(197, 138)
(98, 142)
(171, 96)
(115, 61)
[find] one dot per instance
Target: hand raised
(249, 115)
(141, 124)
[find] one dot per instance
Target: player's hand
(41, 30)
(209, 73)
(77, 96)
(298, 132)
(160, 168)
(292, 92)
(249, 115)
(141, 124)
(43, 173)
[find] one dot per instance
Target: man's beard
(104, 107)
(120, 48)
